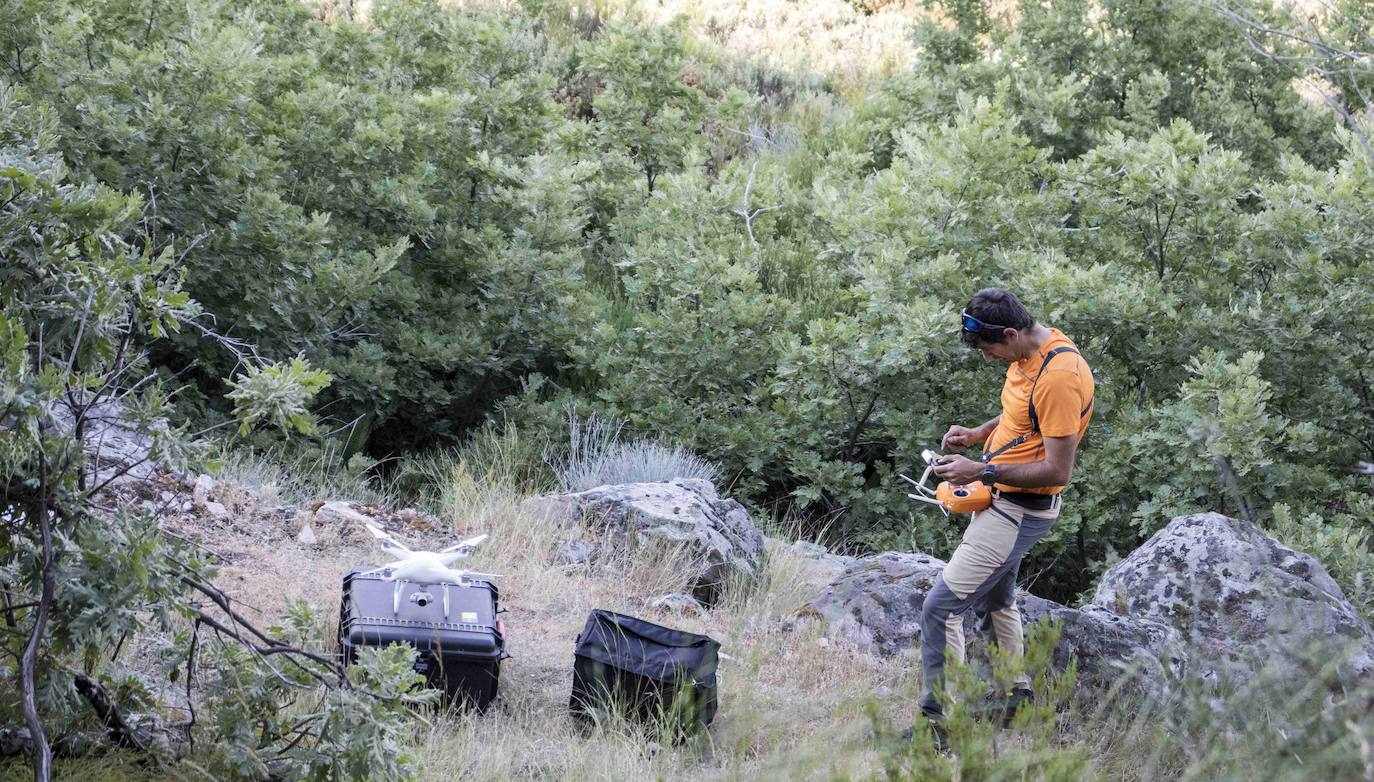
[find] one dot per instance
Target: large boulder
(117, 450)
(679, 517)
(1207, 595)
(1239, 600)
(1106, 645)
(875, 604)
(818, 565)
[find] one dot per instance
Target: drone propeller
(389, 544)
(464, 548)
(470, 574)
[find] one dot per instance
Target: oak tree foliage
(477, 214)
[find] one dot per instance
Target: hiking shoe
(939, 737)
(1001, 709)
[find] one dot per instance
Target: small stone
(187, 506)
(200, 493)
(823, 642)
(677, 603)
(343, 511)
(216, 510)
(576, 552)
(307, 537)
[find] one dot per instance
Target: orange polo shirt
(1060, 398)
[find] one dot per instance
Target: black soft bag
(458, 640)
(646, 672)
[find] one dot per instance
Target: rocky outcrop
(118, 450)
(1239, 600)
(819, 565)
(683, 517)
(875, 604)
(1107, 646)
(1207, 596)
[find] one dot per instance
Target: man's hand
(958, 469)
(964, 437)
(958, 437)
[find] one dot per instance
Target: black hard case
(453, 627)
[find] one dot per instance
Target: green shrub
(475, 215)
(1033, 747)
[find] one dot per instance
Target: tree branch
(118, 731)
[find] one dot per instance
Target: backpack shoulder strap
(1035, 419)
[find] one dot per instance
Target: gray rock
(1207, 596)
(117, 450)
(200, 497)
(682, 516)
(200, 492)
(345, 512)
(876, 605)
(676, 604)
(1239, 600)
(822, 567)
(576, 552)
(307, 536)
(1106, 645)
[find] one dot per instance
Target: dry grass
(788, 699)
(793, 704)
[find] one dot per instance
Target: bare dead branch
(744, 212)
(38, 513)
(107, 711)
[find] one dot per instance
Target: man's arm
(1054, 470)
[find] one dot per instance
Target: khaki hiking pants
(981, 575)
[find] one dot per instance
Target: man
(1027, 458)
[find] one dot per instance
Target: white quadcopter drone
(425, 568)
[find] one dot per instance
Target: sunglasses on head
(975, 325)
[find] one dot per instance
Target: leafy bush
(472, 215)
(87, 294)
(979, 751)
(359, 732)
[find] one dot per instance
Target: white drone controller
(926, 494)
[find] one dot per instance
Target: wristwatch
(989, 473)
